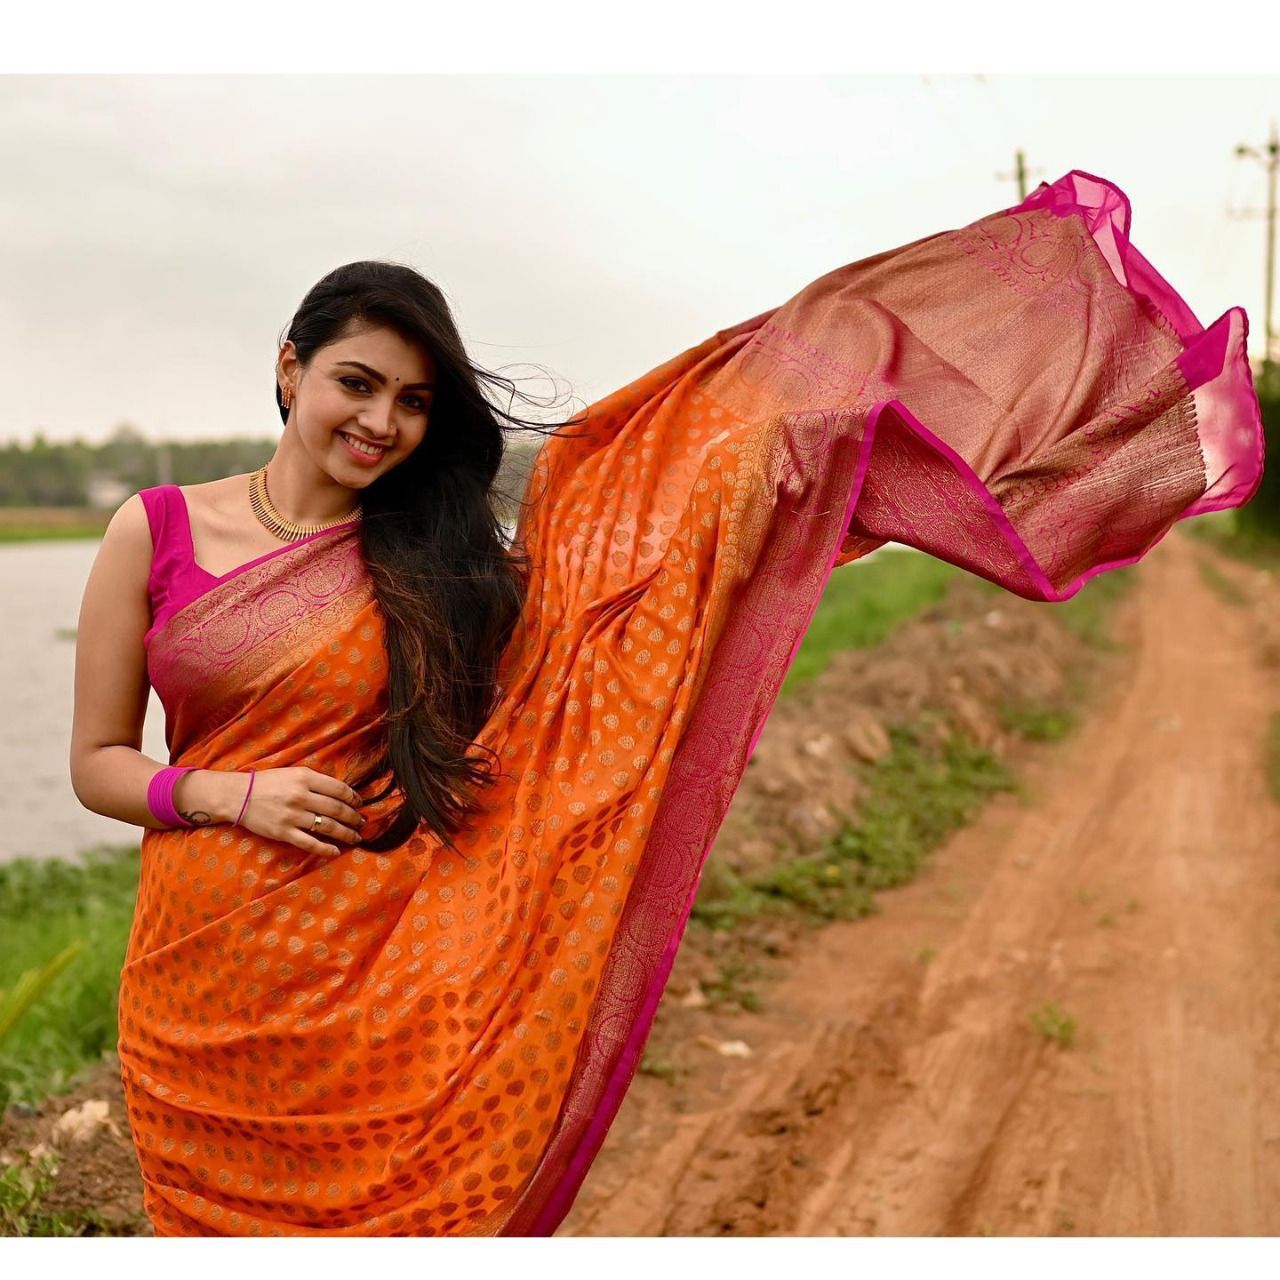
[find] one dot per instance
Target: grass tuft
(660, 1069)
(1055, 1025)
(25, 1181)
(46, 908)
(732, 986)
(1037, 721)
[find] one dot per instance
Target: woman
(400, 984)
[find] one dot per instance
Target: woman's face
(361, 406)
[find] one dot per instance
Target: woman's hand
(284, 804)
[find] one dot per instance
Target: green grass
(24, 1183)
(660, 1069)
(1038, 721)
(861, 606)
(1053, 1024)
(42, 533)
(44, 908)
(732, 986)
(916, 797)
(40, 524)
(1238, 539)
(1220, 584)
(1088, 612)
(18, 1000)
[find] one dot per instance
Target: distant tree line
(48, 474)
(77, 474)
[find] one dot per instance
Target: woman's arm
(109, 773)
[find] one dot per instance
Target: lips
(361, 453)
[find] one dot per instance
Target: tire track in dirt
(1139, 892)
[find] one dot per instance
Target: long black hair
(449, 588)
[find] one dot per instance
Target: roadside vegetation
(1240, 539)
(1221, 586)
(25, 1184)
(1251, 534)
(917, 795)
(860, 608)
(46, 910)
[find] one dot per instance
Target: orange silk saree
(430, 1043)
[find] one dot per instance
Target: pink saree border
(715, 722)
(1212, 360)
(192, 583)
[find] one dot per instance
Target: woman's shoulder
(218, 504)
(214, 495)
(222, 497)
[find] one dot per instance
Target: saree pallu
(433, 1042)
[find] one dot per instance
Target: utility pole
(1019, 173)
(1270, 157)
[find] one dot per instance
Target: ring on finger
(319, 820)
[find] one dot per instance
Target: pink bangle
(247, 794)
(160, 795)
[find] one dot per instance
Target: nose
(375, 421)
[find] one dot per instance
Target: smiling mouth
(363, 446)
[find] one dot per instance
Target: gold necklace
(270, 518)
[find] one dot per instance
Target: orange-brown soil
(897, 1084)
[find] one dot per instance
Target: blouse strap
(172, 549)
(179, 524)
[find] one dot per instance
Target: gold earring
(286, 396)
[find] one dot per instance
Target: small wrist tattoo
(197, 817)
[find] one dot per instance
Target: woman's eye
(362, 385)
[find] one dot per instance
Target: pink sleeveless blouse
(175, 579)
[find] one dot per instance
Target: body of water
(41, 584)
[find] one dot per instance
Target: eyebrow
(381, 378)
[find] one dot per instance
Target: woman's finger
(309, 844)
(335, 810)
(335, 787)
(329, 826)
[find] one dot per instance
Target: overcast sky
(157, 232)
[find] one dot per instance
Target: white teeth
(371, 450)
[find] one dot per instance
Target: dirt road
(897, 1085)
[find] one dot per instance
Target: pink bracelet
(160, 795)
(247, 794)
